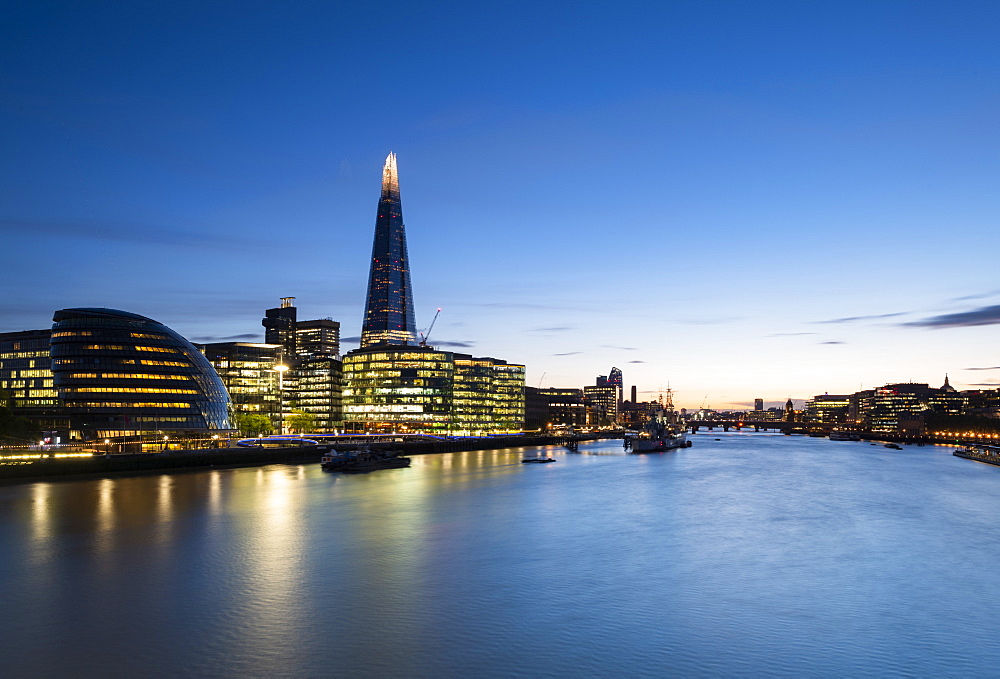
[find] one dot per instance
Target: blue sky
(697, 192)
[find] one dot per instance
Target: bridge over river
(776, 425)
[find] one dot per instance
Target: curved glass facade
(121, 374)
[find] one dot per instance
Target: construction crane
(424, 336)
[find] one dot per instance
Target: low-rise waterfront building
(120, 375)
(26, 378)
(418, 389)
(828, 409)
(602, 402)
(248, 371)
(398, 389)
(318, 391)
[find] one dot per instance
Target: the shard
(389, 308)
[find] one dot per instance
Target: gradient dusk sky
(740, 199)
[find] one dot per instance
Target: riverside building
(247, 369)
(26, 377)
(121, 375)
(392, 383)
(296, 368)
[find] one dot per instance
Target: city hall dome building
(120, 374)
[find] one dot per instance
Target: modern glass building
(393, 384)
(398, 389)
(389, 307)
(894, 401)
(318, 391)
(279, 325)
(828, 408)
(247, 369)
(603, 403)
(120, 374)
(320, 337)
(421, 390)
(508, 398)
(26, 377)
(487, 397)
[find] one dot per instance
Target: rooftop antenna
(424, 336)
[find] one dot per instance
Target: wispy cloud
(996, 367)
(569, 353)
(833, 342)
(246, 337)
(454, 344)
(966, 298)
(611, 346)
(708, 321)
(987, 315)
(556, 328)
(853, 319)
(142, 234)
(525, 305)
(636, 361)
(791, 334)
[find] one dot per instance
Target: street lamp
(280, 369)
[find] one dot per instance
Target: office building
(318, 391)
(398, 389)
(120, 374)
(389, 307)
(615, 380)
(26, 378)
(892, 401)
(602, 403)
(320, 337)
(280, 326)
(393, 384)
(828, 408)
(422, 390)
(248, 371)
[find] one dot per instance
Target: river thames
(754, 554)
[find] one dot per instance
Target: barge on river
(363, 460)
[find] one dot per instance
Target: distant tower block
(389, 308)
(279, 326)
(758, 404)
(634, 397)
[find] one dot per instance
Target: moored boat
(662, 432)
(363, 460)
(844, 436)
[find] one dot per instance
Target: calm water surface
(758, 554)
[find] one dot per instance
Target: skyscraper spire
(390, 178)
(389, 307)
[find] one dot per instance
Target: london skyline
(740, 201)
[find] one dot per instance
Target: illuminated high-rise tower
(389, 308)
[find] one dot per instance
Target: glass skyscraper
(389, 308)
(392, 383)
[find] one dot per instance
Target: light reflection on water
(756, 554)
